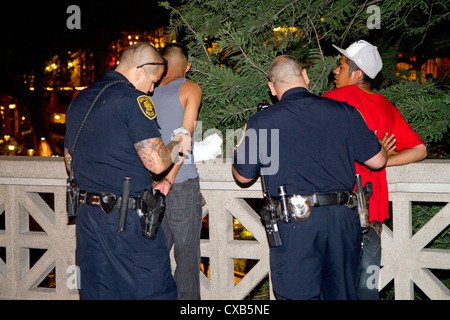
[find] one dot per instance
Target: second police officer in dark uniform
(119, 138)
(312, 143)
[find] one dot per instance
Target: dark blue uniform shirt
(105, 153)
(307, 144)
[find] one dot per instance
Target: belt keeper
(83, 198)
(315, 200)
(340, 198)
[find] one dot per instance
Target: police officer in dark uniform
(312, 144)
(119, 138)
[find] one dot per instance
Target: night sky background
(32, 31)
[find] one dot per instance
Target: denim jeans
(370, 263)
(182, 226)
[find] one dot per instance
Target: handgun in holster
(362, 197)
(151, 207)
(73, 196)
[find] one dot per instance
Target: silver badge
(300, 207)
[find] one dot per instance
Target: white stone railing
(22, 181)
(26, 182)
(405, 257)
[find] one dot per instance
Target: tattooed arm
(156, 157)
(67, 159)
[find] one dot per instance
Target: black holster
(73, 196)
(151, 206)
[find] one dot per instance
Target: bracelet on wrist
(181, 130)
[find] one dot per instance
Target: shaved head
(286, 73)
(284, 70)
(139, 54)
(134, 65)
(176, 54)
(178, 65)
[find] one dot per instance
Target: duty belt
(336, 199)
(341, 198)
(299, 206)
(104, 199)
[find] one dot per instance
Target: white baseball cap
(366, 57)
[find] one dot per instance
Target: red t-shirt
(382, 116)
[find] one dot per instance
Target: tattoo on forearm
(154, 154)
(67, 158)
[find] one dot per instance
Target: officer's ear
(140, 72)
(305, 76)
(272, 89)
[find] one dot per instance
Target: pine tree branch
(290, 4)
(426, 31)
(245, 55)
(317, 37)
(202, 72)
(190, 28)
(347, 30)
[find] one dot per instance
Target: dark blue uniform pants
(121, 266)
(320, 256)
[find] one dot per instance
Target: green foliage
(424, 106)
(232, 44)
(319, 72)
(422, 212)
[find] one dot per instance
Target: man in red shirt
(359, 65)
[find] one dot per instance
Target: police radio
(270, 221)
(269, 212)
(270, 217)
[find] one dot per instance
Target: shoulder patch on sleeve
(147, 107)
(243, 136)
(244, 130)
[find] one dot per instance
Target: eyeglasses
(161, 63)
